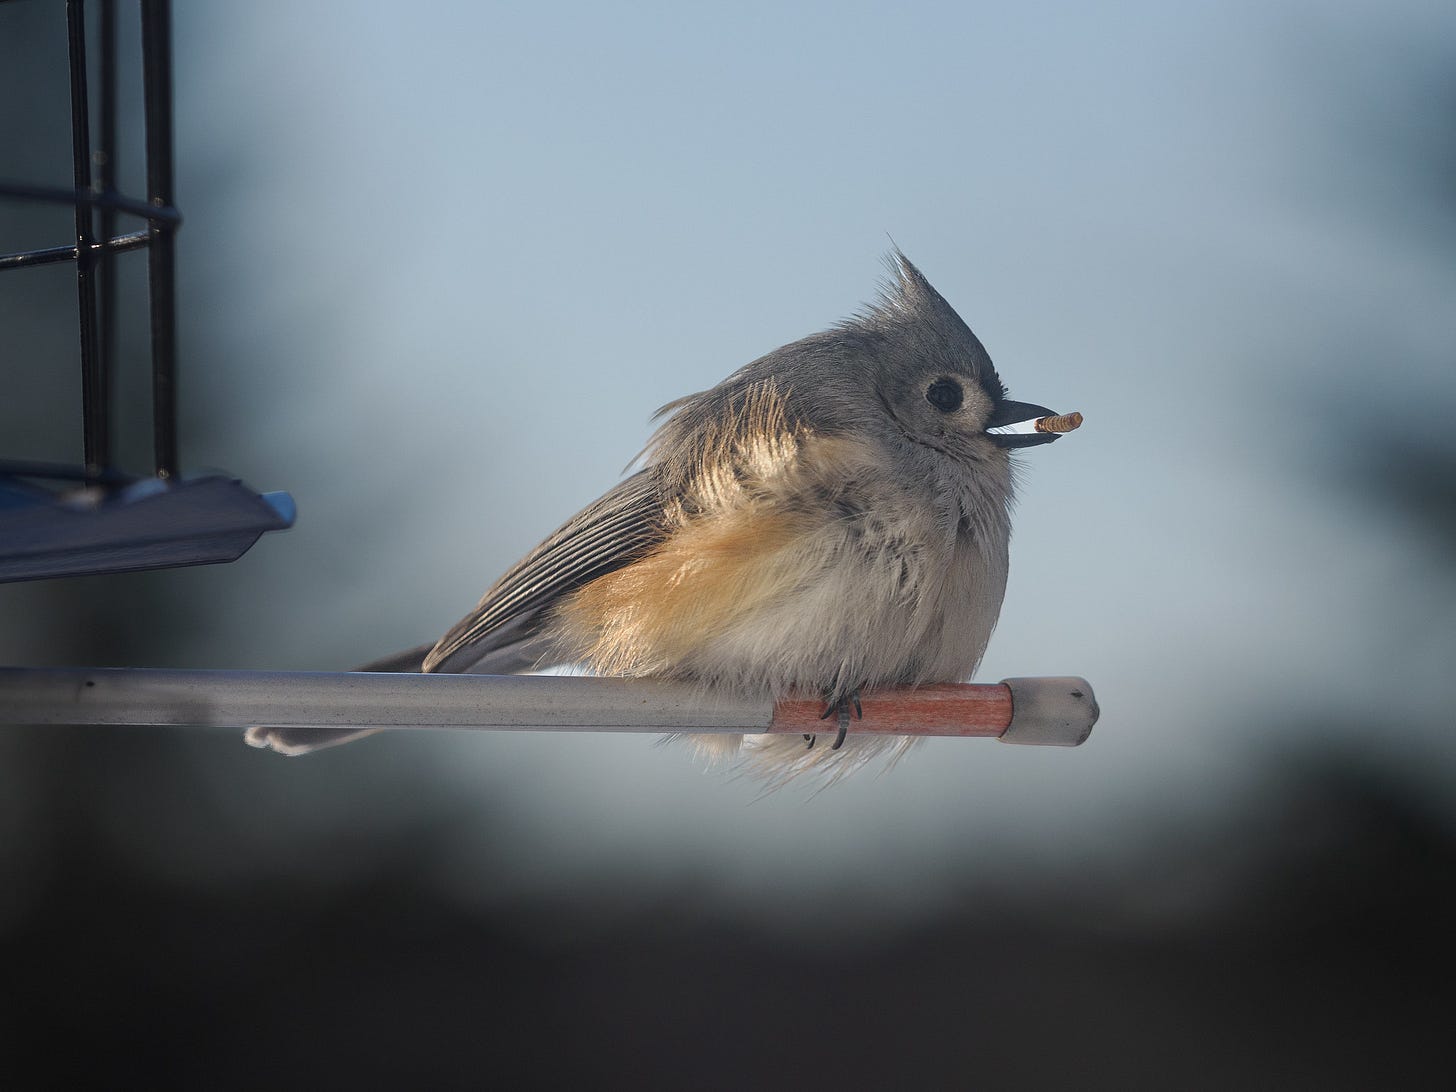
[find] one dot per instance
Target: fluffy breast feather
(794, 564)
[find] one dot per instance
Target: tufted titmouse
(834, 515)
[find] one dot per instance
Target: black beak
(1008, 412)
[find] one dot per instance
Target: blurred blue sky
(442, 262)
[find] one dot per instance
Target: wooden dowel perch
(1054, 711)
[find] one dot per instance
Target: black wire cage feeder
(59, 519)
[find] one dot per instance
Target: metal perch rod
(1051, 711)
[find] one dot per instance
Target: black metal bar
(161, 278)
(95, 412)
(104, 162)
(25, 468)
(26, 258)
(91, 199)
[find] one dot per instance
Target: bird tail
(300, 741)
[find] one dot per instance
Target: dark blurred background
(439, 266)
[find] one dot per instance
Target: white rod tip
(1050, 711)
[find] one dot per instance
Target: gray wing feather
(503, 634)
(504, 630)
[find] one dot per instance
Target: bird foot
(840, 706)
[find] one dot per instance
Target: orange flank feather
(709, 576)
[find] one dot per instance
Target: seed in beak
(1063, 422)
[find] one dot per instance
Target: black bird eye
(945, 395)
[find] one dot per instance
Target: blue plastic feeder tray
(148, 523)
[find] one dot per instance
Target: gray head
(907, 361)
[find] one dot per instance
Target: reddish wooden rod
(944, 709)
